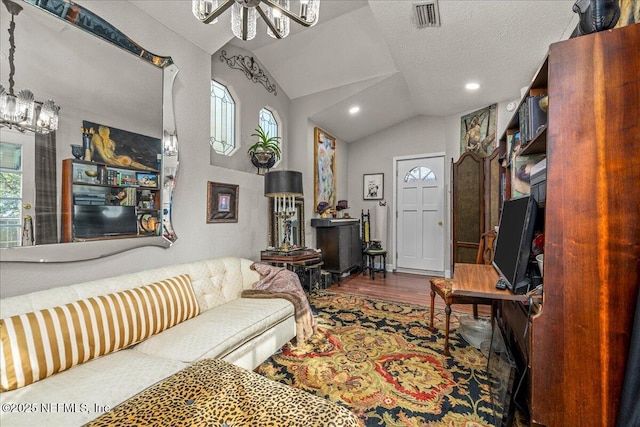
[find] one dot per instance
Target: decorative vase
(263, 160)
(86, 145)
(77, 151)
(263, 156)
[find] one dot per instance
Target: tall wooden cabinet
(577, 343)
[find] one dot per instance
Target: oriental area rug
(380, 360)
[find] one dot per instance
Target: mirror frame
(273, 234)
(82, 18)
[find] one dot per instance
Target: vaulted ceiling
(392, 69)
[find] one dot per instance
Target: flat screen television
(513, 244)
(99, 221)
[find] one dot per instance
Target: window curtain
(46, 210)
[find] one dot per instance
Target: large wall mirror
(95, 74)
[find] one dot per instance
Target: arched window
(268, 122)
(223, 119)
(420, 173)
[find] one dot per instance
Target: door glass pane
(420, 173)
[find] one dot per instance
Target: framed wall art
(324, 179)
(147, 179)
(373, 186)
(117, 147)
(478, 131)
(222, 202)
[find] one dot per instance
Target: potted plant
(266, 148)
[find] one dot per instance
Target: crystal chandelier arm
(270, 24)
(218, 11)
(290, 14)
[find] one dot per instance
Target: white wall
(251, 98)
(375, 153)
(419, 135)
(301, 149)
(196, 238)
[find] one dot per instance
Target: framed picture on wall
(324, 178)
(117, 147)
(373, 186)
(222, 202)
(478, 131)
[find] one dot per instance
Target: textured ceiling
(400, 71)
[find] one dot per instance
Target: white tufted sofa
(241, 331)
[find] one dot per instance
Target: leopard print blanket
(214, 393)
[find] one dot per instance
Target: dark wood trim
(67, 200)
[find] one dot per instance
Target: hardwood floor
(399, 287)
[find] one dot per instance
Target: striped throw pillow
(38, 344)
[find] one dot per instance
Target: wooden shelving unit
(574, 351)
(87, 183)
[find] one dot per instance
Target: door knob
(26, 206)
(439, 222)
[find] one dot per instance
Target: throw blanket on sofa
(278, 282)
(212, 392)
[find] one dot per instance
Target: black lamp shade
(279, 183)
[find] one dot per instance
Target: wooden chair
(370, 253)
(442, 287)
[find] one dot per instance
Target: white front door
(420, 201)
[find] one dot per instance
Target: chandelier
(23, 112)
(276, 14)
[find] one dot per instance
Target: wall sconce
(284, 187)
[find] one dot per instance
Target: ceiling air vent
(427, 14)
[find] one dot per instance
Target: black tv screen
(99, 221)
(513, 244)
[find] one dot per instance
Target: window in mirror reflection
(223, 120)
(10, 194)
(269, 123)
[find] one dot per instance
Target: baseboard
(422, 272)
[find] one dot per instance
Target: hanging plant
(266, 146)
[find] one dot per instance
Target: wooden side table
(306, 263)
(281, 258)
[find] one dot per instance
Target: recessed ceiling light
(354, 109)
(472, 86)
